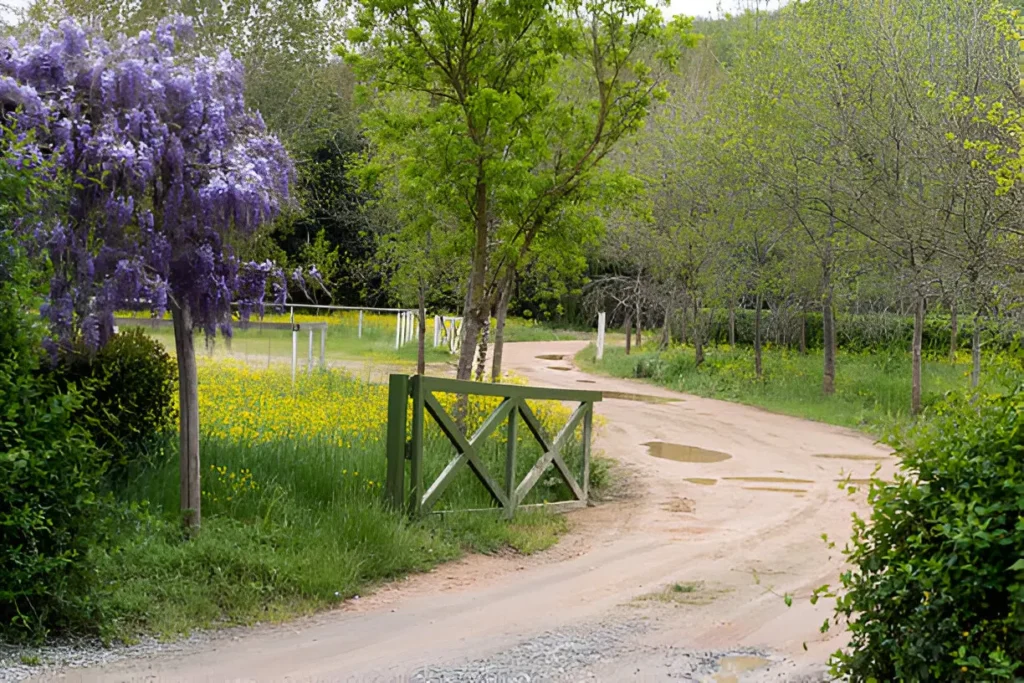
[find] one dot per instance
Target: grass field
(254, 344)
(293, 513)
(872, 390)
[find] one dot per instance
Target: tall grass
(293, 506)
(872, 389)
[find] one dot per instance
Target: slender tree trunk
(481, 361)
(759, 302)
(976, 352)
(499, 330)
(421, 348)
(732, 325)
(828, 342)
(698, 338)
(188, 411)
(639, 324)
(915, 352)
(954, 330)
(666, 329)
(629, 332)
(803, 331)
(685, 331)
(476, 313)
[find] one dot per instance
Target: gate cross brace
(467, 450)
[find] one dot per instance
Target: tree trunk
(954, 330)
(481, 361)
(685, 331)
(828, 342)
(421, 348)
(915, 352)
(475, 317)
(188, 411)
(639, 324)
(698, 338)
(976, 352)
(666, 329)
(732, 326)
(803, 332)
(759, 302)
(629, 332)
(499, 331)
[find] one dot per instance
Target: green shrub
(936, 592)
(131, 404)
(50, 472)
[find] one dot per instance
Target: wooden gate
(405, 442)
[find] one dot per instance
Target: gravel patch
(609, 651)
(18, 662)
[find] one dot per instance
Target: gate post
(398, 405)
(416, 447)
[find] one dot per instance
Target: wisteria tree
(167, 169)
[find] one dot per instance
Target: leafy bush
(131, 404)
(937, 587)
(49, 476)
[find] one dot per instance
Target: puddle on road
(770, 480)
(702, 482)
(777, 489)
(552, 356)
(680, 453)
(843, 456)
(643, 398)
(730, 668)
(586, 381)
(559, 367)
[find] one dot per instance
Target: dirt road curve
(583, 611)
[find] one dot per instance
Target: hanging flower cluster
(166, 166)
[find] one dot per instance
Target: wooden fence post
(398, 405)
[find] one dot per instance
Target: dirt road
(734, 533)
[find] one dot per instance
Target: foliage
(937, 583)
(130, 406)
(50, 473)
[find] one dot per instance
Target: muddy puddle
(681, 453)
(559, 367)
(770, 480)
(776, 489)
(731, 667)
(853, 456)
(701, 482)
(643, 398)
(552, 356)
(586, 381)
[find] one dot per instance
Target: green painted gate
(405, 441)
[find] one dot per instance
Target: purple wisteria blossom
(167, 167)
